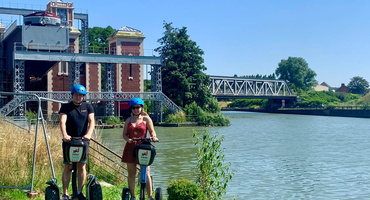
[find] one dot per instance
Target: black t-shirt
(77, 118)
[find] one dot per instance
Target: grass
(16, 152)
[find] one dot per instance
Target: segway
(75, 151)
(145, 153)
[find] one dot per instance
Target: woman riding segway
(136, 127)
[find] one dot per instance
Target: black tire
(126, 194)
(158, 194)
(96, 192)
(51, 193)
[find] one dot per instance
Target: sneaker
(65, 197)
(81, 196)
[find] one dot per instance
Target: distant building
(343, 88)
(322, 87)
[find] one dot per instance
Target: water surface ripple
(275, 156)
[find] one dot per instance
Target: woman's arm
(124, 133)
(150, 126)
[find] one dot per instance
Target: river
(273, 156)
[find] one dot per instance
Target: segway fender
(93, 188)
(53, 184)
(52, 191)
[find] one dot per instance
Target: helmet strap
(136, 115)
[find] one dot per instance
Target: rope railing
(106, 161)
(104, 158)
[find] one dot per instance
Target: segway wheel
(158, 194)
(96, 192)
(126, 194)
(51, 193)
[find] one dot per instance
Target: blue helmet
(136, 101)
(80, 89)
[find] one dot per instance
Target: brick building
(44, 53)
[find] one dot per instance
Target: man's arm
(63, 127)
(91, 119)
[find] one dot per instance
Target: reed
(16, 155)
(16, 160)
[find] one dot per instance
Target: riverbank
(361, 113)
(177, 124)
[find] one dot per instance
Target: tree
(260, 76)
(358, 85)
(183, 79)
(98, 43)
(98, 38)
(296, 72)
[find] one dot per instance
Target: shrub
(212, 172)
(31, 116)
(212, 106)
(210, 119)
(249, 103)
(113, 120)
(178, 117)
(192, 109)
(184, 190)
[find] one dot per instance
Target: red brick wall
(113, 48)
(93, 71)
(132, 48)
(130, 85)
(59, 83)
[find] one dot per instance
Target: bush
(183, 190)
(249, 103)
(318, 99)
(178, 117)
(213, 173)
(213, 106)
(210, 119)
(113, 120)
(31, 116)
(192, 109)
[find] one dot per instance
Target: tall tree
(296, 72)
(98, 44)
(183, 78)
(358, 85)
(98, 38)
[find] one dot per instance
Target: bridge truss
(233, 87)
(21, 97)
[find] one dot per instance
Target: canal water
(273, 156)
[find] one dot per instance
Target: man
(76, 120)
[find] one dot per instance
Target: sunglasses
(135, 107)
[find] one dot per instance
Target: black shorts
(83, 159)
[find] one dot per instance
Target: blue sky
(246, 37)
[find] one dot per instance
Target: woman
(136, 126)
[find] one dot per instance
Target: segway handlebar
(144, 139)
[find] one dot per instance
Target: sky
(247, 37)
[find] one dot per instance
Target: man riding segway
(76, 120)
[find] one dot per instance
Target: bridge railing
(20, 98)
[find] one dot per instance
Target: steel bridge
(233, 87)
(27, 96)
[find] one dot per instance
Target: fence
(102, 160)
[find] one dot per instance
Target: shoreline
(359, 113)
